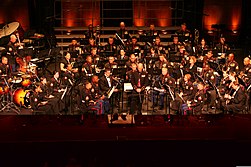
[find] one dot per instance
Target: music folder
(128, 87)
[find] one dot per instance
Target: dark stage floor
(209, 140)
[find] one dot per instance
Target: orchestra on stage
(187, 77)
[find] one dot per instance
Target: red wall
(143, 13)
(15, 10)
(223, 12)
(73, 10)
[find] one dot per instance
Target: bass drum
(21, 97)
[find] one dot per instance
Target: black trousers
(136, 102)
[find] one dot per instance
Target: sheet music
(128, 87)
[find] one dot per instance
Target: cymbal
(39, 35)
(26, 76)
(8, 29)
(27, 41)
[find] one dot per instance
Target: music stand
(213, 65)
(154, 59)
(144, 38)
(121, 62)
(175, 58)
(25, 52)
(106, 54)
(199, 64)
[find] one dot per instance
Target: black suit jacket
(143, 76)
(103, 84)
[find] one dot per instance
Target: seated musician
(199, 99)
(191, 67)
(222, 47)
(152, 53)
(75, 47)
(131, 60)
(164, 79)
(11, 48)
(122, 55)
(202, 47)
(139, 82)
(209, 57)
(184, 33)
(245, 74)
(134, 47)
(186, 87)
(174, 47)
(88, 48)
(237, 101)
(111, 46)
(152, 32)
(111, 63)
(123, 32)
(39, 102)
(231, 64)
(208, 74)
(159, 48)
(67, 70)
(56, 82)
(90, 100)
(162, 63)
(130, 72)
(5, 69)
(88, 68)
(45, 87)
(98, 93)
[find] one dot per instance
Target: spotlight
(68, 32)
(140, 32)
(164, 32)
(235, 31)
(210, 32)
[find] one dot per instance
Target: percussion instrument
(26, 80)
(4, 90)
(8, 29)
(21, 97)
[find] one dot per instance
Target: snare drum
(4, 90)
(21, 97)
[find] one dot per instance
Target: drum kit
(15, 92)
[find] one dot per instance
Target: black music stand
(106, 54)
(25, 52)
(121, 62)
(154, 59)
(199, 64)
(213, 65)
(175, 58)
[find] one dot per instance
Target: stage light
(210, 32)
(235, 31)
(140, 32)
(68, 32)
(164, 32)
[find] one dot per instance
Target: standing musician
(106, 83)
(237, 101)
(111, 46)
(139, 82)
(164, 79)
(130, 72)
